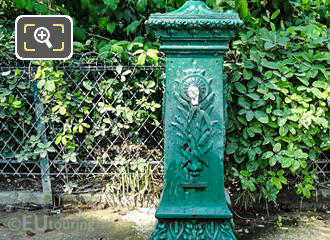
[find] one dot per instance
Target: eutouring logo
(43, 223)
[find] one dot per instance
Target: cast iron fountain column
(193, 204)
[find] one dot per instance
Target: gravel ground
(300, 226)
(109, 224)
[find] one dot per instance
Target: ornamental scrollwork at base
(193, 230)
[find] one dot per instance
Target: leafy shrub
(111, 117)
(7, 44)
(279, 106)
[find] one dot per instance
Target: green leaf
(249, 115)
(300, 154)
(111, 26)
(41, 83)
(119, 69)
(275, 14)
(283, 41)
(321, 56)
(58, 139)
(41, 8)
(283, 130)
(141, 5)
(85, 4)
(153, 53)
(240, 87)
(318, 93)
(117, 49)
(304, 80)
(88, 85)
(266, 18)
(252, 154)
(142, 59)
(29, 5)
(268, 75)
(64, 141)
(160, 3)
(62, 110)
(5, 73)
(78, 46)
(277, 183)
(247, 74)
(261, 116)
(20, 3)
(254, 96)
(231, 148)
(281, 121)
(295, 166)
(236, 76)
(321, 84)
(79, 34)
(243, 102)
(50, 85)
(86, 125)
(131, 28)
(277, 147)
(269, 45)
(252, 166)
(287, 162)
(252, 187)
(308, 141)
(267, 155)
(268, 64)
(273, 160)
(278, 112)
(151, 84)
(16, 104)
(103, 22)
(244, 9)
(113, 4)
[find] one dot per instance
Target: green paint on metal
(177, 229)
(193, 203)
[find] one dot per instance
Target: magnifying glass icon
(42, 35)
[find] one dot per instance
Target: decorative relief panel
(193, 124)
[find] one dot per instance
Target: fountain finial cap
(194, 18)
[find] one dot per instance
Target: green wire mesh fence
(78, 125)
(70, 122)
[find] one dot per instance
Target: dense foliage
(278, 80)
(110, 117)
(280, 104)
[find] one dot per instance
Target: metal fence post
(193, 203)
(41, 130)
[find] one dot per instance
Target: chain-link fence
(66, 125)
(85, 125)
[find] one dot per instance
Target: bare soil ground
(109, 224)
(286, 226)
